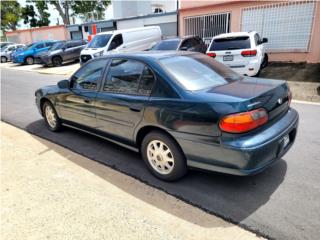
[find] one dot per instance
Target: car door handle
(135, 108)
(86, 100)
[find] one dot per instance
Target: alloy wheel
(50, 116)
(3, 59)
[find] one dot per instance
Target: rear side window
(49, 44)
(197, 72)
(123, 76)
(41, 45)
(231, 43)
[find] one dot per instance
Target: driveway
(282, 202)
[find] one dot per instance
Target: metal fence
(288, 26)
(207, 26)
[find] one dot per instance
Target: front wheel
(265, 61)
(57, 61)
(3, 59)
(51, 117)
(163, 156)
(29, 60)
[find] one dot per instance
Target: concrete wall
(37, 34)
(196, 8)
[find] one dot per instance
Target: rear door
(77, 105)
(120, 104)
(228, 50)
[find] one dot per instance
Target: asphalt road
(283, 202)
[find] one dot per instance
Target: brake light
(213, 55)
(249, 53)
(243, 122)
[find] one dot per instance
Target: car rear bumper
(244, 155)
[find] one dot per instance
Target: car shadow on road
(230, 197)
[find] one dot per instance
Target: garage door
(207, 26)
(287, 26)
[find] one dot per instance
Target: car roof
(235, 34)
(179, 38)
(152, 55)
(127, 30)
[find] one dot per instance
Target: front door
(77, 105)
(120, 104)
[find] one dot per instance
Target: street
(280, 203)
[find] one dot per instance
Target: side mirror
(63, 49)
(63, 84)
(264, 40)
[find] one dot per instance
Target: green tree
(28, 15)
(89, 9)
(10, 15)
(42, 8)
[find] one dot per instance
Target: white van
(128, 40)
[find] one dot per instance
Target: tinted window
(41, 45)
(146, 82)
(198, 72)
(57, 45)
(188, 43)
(99, 41)
(167, 45)
(116, 42)
(49, 44)
(123, 76)
(230, 43)
(88, 77)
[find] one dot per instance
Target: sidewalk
(49, 192)
(65, 69)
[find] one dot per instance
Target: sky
(54, 15)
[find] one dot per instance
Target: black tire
(56, 61)
(58, 126)
(179, 168)
(265, 61)
(4, 59)
(29, 60)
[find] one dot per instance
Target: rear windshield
(197, 72)
(167, 45)
(231, 43)
(99, 41)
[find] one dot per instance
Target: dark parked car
(188, 43)
(179, 109)
(61, 52)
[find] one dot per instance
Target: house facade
(292, 27)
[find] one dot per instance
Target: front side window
(230, 43)
(197, 72)
(124, 76)
(99, 41)
(116, 42)
(41, 45)
(88, 77)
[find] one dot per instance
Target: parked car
(60, 52)
(7, 51)
(128, 40)
(244, 52)
(179, 109)
(188, 43)
(3, 44)
(27, 55)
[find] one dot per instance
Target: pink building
(292, 27)
(28, 36)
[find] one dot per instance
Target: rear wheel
(51, 117)
(163, 156)
(29, 60)
(265, 61)
(4, 59)
(57, 61)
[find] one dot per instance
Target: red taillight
(289, 97)
(249, 53)
(213, 55)
(243, 122)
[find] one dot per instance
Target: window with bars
(287, 25)
(207, 26)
